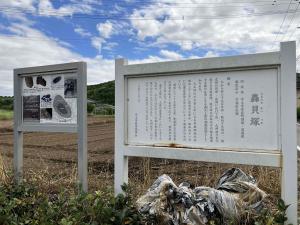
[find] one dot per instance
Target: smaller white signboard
(51, 99)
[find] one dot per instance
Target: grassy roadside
(6, 114)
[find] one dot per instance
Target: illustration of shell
(56, 79)
(40, 80)
(29, 81)
(62, 107)
(47, 98)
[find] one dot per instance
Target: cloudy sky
(42, 32)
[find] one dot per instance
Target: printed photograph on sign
(31, 108)
(55, 95)
(223, 109)
(70, 87)
(46, 114)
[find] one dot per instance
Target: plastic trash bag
(235, 193)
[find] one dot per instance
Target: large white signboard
(235, 109)
(50, 98)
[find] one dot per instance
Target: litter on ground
(235, 193)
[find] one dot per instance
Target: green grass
(6, 114)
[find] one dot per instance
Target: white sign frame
(285, 157)
(78, 68)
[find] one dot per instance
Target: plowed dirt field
(51, 160)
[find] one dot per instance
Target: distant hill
(104, 92)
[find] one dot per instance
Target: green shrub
(273, 218)
(6, 103)
(90, 108)
(24, 204)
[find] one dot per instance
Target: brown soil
(51, 160)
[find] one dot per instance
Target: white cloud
(97, 42)
(18, 4)
(82, 32)
(23, 51)
(45, 8)
(211, 54)
(31, 47)
(149, 59)
(105, 29)
(16, 9)
(110, 46)
(171, 55)
(97, 2)
(187, 27)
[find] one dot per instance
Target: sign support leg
(121, 173)
(18, 135)
(82, 131)
(121, 161)
(18, 155)
(289, 177)
(82, 163)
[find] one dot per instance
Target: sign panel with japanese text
(236, 109)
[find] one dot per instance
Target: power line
(291, 21)
(179, 17)
(15, 9)
(41, 38)
(192, 3)
(164, 5)
(103, 2)
(55, 12)
(292, 34)
(160, 40)
(168, 4)
(282, 23)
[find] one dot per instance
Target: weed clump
(25, 204)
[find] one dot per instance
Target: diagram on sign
(50, 98)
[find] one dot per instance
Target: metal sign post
(238, 109)
(51, 99)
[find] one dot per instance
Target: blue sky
(42, 32)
